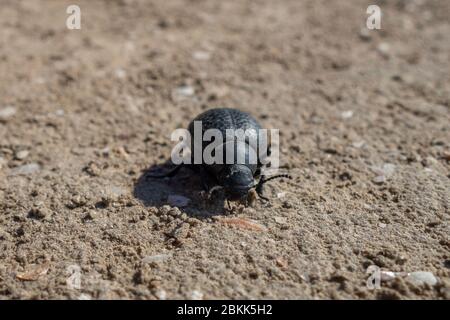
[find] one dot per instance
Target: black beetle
(236, 179)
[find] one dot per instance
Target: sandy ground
(364, 119)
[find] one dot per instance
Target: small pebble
(347, 114)
(178, 201)
(196, 295)
(21, 155)
(60, 112)
(280, 220)
(120, 73)
(26, 169)
(383, 173)
(7, 113)
(281, 195)
(358, 144)
(384, 50)
(161, 294)
(39, 211)
(201, 55)
(281, 262)
(422, 277)
(184, 91)
(156, 258)
(379, 179)
(91, 215)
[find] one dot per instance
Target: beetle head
(237, 181)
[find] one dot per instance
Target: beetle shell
(222, 119)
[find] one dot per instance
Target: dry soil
(364, 119)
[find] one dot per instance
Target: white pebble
(281, 195)
(161, 294)
(280, 220)
(196, 295)
(156, 258)
(184, 91)
(178, 201)
(347, 114)
(7, 113)
(358, 144)
(26, 169)
(201, 55)
(59, 112)
(379, 179)
(384, 48)
(422, 277)
(21, 155)
(120, 73)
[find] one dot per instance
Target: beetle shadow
(154, 192)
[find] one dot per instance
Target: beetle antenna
(263, 180)
(277, 177)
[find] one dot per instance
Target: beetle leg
(260, 189)
(260, 193)
(227, 205)
(205, 178)
(259, 186)
(257, 172)
(212, 190)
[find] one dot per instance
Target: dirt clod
(33, 272)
